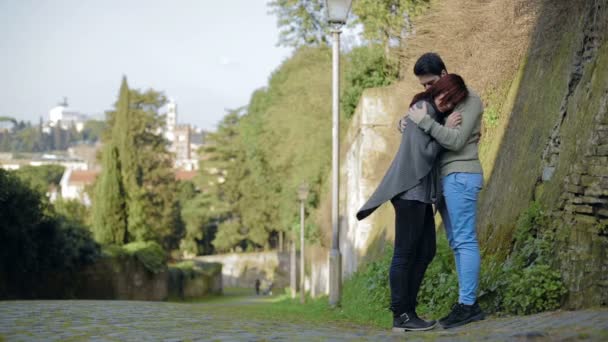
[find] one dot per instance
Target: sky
(207, 55)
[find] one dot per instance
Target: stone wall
(124, 278)
(582, 216)
(201, 280)
(242, 269)
(555, 150)
(121, 278)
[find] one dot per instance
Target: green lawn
(280, 307)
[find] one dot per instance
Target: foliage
(387, 21)
(93, 130)
(35, 241)
(72, 209)
(538, 288)
(301, 22)
(135, 197)
(367, 68)
(25, 137)
(109, 205)
(439, 288)
(41, 177)
(525, 282)
(366, 294)
(259, 155)
(213, 201)
(149, 253)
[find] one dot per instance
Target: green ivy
(149, 253)
(525, 282)
(535, 289)
(439, 289)
(521, 283)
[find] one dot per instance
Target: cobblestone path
(160, 321)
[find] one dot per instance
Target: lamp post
(302, 195)
(292, 266)
(337, 13)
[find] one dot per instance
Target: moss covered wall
(553, 150)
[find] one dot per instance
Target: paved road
(160, 321)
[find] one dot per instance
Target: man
(461, 179)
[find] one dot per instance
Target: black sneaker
(411, 322)
(462, 314)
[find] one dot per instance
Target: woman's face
(443, 107)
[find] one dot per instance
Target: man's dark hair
(429, 63)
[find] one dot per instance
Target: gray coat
(414, 160)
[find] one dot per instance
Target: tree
(367, 68)
(35, 241)
(93, 130)
(145, 174)
(301, 22)
(40, 178)
(109, 206)
(387, 22)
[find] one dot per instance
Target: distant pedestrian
(257, 287)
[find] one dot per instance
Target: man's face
(429, 79)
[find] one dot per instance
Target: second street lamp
(302, 195)
(337, 13)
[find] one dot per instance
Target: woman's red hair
(452, 85)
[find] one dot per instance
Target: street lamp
(337, 13)
(302, 195)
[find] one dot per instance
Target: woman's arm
(451, 138)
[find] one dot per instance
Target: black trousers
(415, 247)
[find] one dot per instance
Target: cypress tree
(124, 135)
(109, 207)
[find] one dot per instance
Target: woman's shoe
(411, 322)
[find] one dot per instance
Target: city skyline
(206, 56)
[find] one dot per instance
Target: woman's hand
(417, 113)
(454, 120)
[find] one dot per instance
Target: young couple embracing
(437, 163)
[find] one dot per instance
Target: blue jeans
(459, 215)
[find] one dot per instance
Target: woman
(411, 185)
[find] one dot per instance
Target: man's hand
(417, 113)
(454, 120)
(402, 123)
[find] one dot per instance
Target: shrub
(366, 294)
(537, 288)
(149, 253)
(35, 241)
(524, 283)
(439, 289)
(368, 68)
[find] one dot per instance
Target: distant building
(46, 159)
(67, 162)
(73, 184)
(87, 153)
(170, 120)
(65, 118)
(181, 138)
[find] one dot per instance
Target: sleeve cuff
(426, 123)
